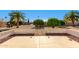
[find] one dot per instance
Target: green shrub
(38, 23)
(53, 22)
(61, 22)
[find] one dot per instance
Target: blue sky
(33, 14)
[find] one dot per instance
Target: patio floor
(40, 42)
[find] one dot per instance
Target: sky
(33, 14)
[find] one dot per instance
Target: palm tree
(16, 16)
(72, 16)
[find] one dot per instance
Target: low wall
(5, 34)
(65, 31)
(73, 32)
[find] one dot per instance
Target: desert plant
(53, 22)
(72, 16)
(61, 22)
(38, 23)
(16, 16)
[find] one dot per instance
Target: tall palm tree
(72, 16)
(16, 16)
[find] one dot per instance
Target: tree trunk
(73, 23)
(53, 26)
(17, 22)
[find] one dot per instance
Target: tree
(38, 23)
(61, 22)
(53, 22)
(16, 16)
(72, 16)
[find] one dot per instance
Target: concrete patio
(40, 42)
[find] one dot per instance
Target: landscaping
(51, 33)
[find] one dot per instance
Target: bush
(38, 23)
(61, 22)
(53, 22)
